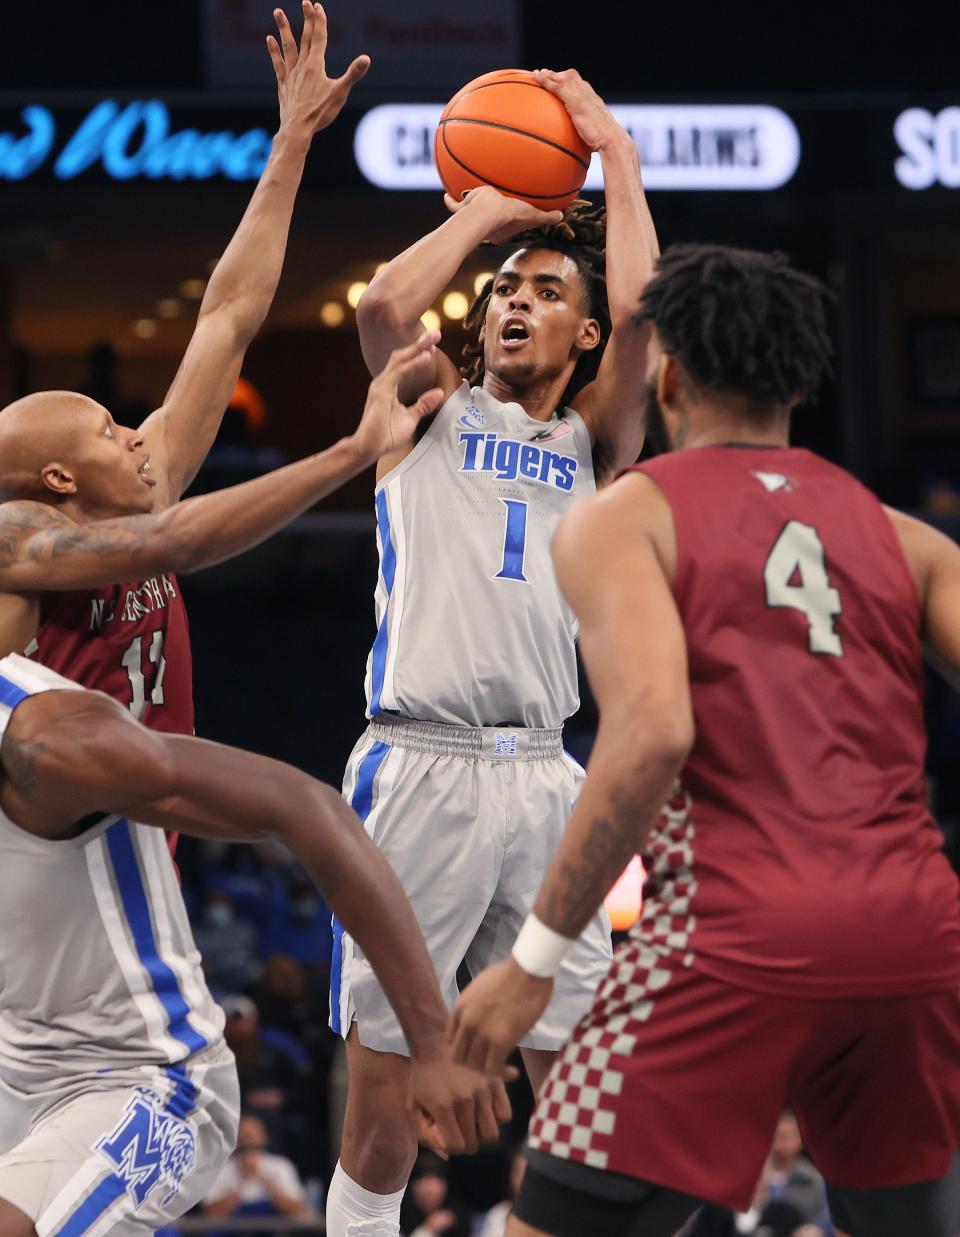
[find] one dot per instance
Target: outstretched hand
(508, 216)
(307, 95)
(387, 423)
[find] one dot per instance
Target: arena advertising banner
(929, 145)
(127, 141)
(687, 147)
(703, 146)
(427, 42)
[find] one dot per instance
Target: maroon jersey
(131, 641)
(799, 856)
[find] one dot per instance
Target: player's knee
(380, 1152)
(379, 1141)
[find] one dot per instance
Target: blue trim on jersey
(362, 803)
(137, 908)
(92, 1207)
(10, 693)
(388, 565)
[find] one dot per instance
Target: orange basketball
(505, 130)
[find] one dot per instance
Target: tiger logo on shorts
(149, 1148)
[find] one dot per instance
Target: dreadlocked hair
(741, 322)
(581, 235)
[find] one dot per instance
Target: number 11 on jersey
(132, 662)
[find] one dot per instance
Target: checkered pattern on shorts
(577, 1114)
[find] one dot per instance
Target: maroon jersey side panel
(801, 857)
(131, 641)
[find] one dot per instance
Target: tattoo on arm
(33, 532)
(20, 763)
(579, 887)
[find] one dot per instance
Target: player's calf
(379, 1144)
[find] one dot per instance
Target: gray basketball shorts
(469, 818)
(124, 1159)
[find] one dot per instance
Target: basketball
(505, 130)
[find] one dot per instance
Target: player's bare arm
(612, 404)
(42, 549)
(66, 754)
(934, 560)
(390, 310)
(241, 289)
(612, 559)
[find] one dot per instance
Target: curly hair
(581, 235)
(742, 322)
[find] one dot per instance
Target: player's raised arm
(389, 312)
(67, 754)
(42, 549)
(612, 405)
(610, 568)
(242, 287)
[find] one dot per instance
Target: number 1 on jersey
(797, 555)
(514, 541)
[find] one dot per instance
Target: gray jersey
(98, 969)
(471, 626)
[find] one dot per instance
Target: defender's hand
(386, 422)
(593, 119)
(507, 216)
(495, 1012)
(307, 95)
(457, 1108)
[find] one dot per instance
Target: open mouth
(146, 473)
(514, 334)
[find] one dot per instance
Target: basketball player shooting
(64, 462)
(752, 621)
(461, 777)
(111, 1046)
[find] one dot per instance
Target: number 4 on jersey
(796, 576)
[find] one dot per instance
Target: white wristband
(539, 950)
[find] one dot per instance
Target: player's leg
(671, 1078)
(540, 794)
(926, 1209)
(379, 1143)
(565, 1199)
(13, 1222)
(426, 813)
(128, 1160)
(885, 1137)
(537, 1062)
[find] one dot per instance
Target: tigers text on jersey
(131, 641)
(471, 626)
(98, 968)
(799, 857)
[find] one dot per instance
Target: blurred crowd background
(111, 218)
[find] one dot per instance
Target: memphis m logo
(150, 1147)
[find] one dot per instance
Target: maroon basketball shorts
(678, 1079)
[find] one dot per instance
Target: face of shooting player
(537, 320)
